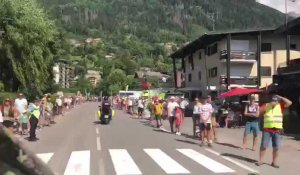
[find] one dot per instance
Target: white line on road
(123, 162)
(98, 144)
(205, 161)
(169, 165)
(79, 163)
(45, 157)
(233, 161)
(97, 131)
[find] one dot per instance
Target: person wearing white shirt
(21, 104)
(171, 112)
(206, 111)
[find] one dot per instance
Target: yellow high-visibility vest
(36, 112)
(273, 117)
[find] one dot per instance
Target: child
(24, 120)
(158, 111)
(205, 121)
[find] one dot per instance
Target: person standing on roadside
(141, 106)
(21, 105)
(196, 116)
(206, 111)
(158, 111)
(252, 125)
(183, 105)
(34, 119)
(273, 126)
(172, 104)
(214, 123)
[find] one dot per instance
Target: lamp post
(287, 37)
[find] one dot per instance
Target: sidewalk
(230, 140)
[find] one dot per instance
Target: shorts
(203, 127)
(266, 137)
(24, 126)
(140, 110)
(252, 127)
(157, 117)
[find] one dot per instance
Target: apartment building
(253, 55)
(63, 74)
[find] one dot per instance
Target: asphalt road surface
(79, 145)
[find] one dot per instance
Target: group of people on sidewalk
(267, 117)
(23, 118)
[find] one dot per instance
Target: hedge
(4, 95)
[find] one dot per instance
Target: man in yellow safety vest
(273, 121)
(34, 119)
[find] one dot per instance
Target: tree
(26, 44)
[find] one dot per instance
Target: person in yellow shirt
(158, 111)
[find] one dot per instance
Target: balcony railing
(250, 81)
(239, 55)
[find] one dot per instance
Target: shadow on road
(228, 144)
(97, 122)
(239, 157)
(190, 136)
(186, 141)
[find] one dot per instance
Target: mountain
(145, 28)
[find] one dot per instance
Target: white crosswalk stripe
(123, 162)
(45, 157)
(79, 163)
(205, 161)
(169, 165)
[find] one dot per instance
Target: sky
(293, 5)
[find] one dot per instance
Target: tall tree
(26, 43)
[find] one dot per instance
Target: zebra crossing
(124, 163)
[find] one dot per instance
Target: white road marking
(233, 161)
(45, 157)
(98, 144)
(97, 131)
(101, 167)
(205, 161)
(79, 163)
(123, 162)
(169, 165)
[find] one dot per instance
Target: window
(266, 47)
(191, 61)
(200, 55)
(213, 72)
(265, 71)
(199, 75)
(293, 46)
(190, 77)
(210, 50)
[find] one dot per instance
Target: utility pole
(211, 16)
(288, 38)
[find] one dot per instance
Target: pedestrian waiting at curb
(252, 125)
(273, 126)
(206, 111)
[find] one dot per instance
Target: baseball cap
(172, 98)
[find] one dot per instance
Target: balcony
(243, 81)
(240, 81)
(239, 56)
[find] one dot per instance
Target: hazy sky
(293, 5)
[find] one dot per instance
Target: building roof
(211, 37)
(293, 27)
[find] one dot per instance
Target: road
(79, 145)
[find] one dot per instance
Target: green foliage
(4, 95)
(26, 44)
(1, 86)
